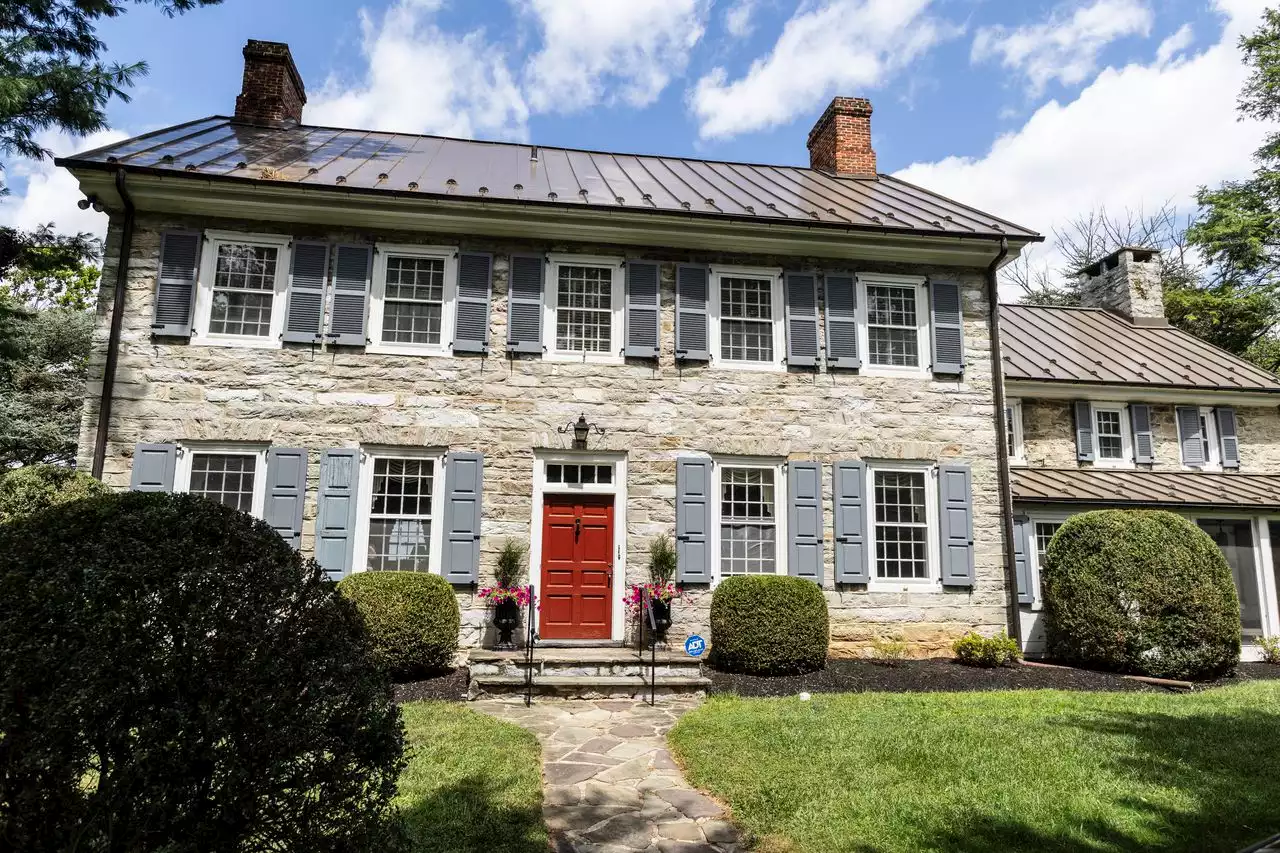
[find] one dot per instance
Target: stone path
(611, 786)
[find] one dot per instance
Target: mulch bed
(449, 686)
(943, 675)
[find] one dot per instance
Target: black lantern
(580, 429)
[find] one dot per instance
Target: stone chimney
(272, 92)
(1127, 281)
(841, 140)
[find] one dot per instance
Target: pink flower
(494, 595)
(634, 597)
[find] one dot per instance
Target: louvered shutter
(947, 310)
(351, 268)
(1144, 443)
(463, 488)
(692, 287)
(955, 502)
(286, 490)
(475, 284)
(1190, 436)
(804, 520)
(801, 290)
(153, 467)
(1084, 430)
(848, 487)
(176, 284)
(524, 303)
(693, 519)
(1227, 439)
(336, 510)
(308, 271)
(1022, 542)
(842, 321)
(643, 311)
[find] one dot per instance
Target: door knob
(577, 527)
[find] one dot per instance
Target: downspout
(1002, 445)
(117, 321)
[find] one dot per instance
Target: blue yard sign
(695, 645)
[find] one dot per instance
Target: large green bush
(412, 619)
(176, 678)
(1140, 592)
(29, 489)
(768, 625)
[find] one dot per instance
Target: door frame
(618, 489)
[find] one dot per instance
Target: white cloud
(593, 51)
(1134, 138)
(737, 18)
(51, 193)
(421, 79)
(826, 48)
(1175, 44)
(1066, 46)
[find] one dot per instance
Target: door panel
(577, 568)
(1235, 539)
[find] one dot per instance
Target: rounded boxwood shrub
(1142, 592)
(412, 618)
(768, 625)
(29, 489)
(175, 677)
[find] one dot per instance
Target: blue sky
(1033, 109)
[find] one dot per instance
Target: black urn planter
(661, 619)
(506, 616)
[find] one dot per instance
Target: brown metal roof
(1091, 345)
(440, 166)
(1145, 488)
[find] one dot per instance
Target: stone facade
(318, 397)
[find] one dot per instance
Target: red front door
(577, 568)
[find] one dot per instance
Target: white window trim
(777, 306)
(1019, 454)
(1126, 436)
(550, 292)
(188, 449)
(780, 506)
(370, 453)
(933, 545)
(1262, 564)
(924, 339)
(377, 298)
(204, 289)
(1033, 557)
(1213, 458)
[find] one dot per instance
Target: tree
(44, 269)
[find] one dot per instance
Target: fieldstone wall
(326, 397)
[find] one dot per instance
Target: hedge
(32, 488)
(768, 625)
(412, 618)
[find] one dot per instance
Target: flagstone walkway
(610, 785)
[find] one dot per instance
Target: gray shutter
(1227, 439)
(176, 284)
(524, 303)
(842, 321)
(1022, 539)
(643, 310)
(351, 270)
(286, 490)
(1144, 443)
(336, 510)
(804, 520)
(693, 519)
(848, 486)
(801, 292)
(309, 268)
(947, 310)
(692, 288)
(1084, 430)
(1189, 435)
(153, 467)
(955, 504)
(463, 493)
(475, 284)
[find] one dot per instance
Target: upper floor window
(242, 289)
(1201, 446)
(746, 317)
(583, 310)
(895, 323)
(1013, 431)
(1111, 432)
(232, 475)
(413, 299)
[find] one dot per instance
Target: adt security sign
(695, 646)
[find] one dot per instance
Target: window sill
(244, 343)
(751, 366)
(923, 585)
(395, 349)
(582, 358)
(1114, 465)
(899, 372)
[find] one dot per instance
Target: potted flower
(508, 596)
(660, 589)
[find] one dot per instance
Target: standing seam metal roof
(1144, 488)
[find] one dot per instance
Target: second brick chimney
(841, 140)
(272, 92)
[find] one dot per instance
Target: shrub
(888, 651)
(768, 625)
(662, 560)
(175, 677)
(1141, 592)
(510, 569)
(1270, 649)
(412, 619)
(973, 649)
(27, 490)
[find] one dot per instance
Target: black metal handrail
(531, 637)
(647, 620)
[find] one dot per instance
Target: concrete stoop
(585, 673)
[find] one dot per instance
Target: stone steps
(588, 687)
(585, 673)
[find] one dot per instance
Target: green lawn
(1042, 771)
(473, 784)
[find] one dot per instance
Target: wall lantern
(580, 429)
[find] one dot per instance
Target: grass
(473, 783)
(1043, 771)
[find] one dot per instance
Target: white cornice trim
(1138, 394)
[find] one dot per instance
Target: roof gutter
(117, 322)
(1002, 446)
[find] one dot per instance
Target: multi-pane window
(902, 526)
(413, 300)
(1013, 430)
(572, 474)
(400, 505)
(748, 522)
(1109, 429)
(244, 284)
(584, 309)
(1044, 532)
(228, 478)
(746, 319)
(893, 333)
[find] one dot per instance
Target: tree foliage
(44, 269)
(33, 488)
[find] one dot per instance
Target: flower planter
(506, 616)
(661, 619)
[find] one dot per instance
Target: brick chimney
(1127, 281)
(272, 92)
(841, 140)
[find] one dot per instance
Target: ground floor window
(231, 475)
(902, 512)
(399, 511)
(749, 511)
(1234, 537)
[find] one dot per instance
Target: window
(894, 323)
(583, 318)
(570, 474)
(746, 328)
(749, 519)
(1042, 531)
(243, 278)
(1013, 431)
(412, 306)
(1207, 438)
(1111, 435)
(901, 525)
(234, 476)
(399, 525)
